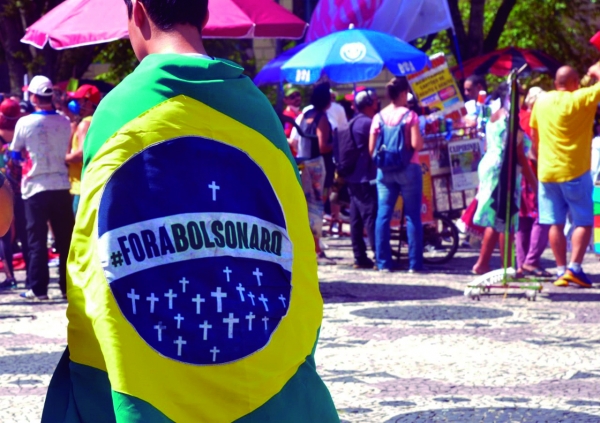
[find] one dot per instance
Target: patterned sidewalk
(394, 348)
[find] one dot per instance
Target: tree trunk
(491, 42)
(476, 35)
(16, 53)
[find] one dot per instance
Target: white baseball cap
(40, 85)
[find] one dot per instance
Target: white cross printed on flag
(183, 283)
(224, 312)
(214, 352)
(170, 295)
(264, 300)
(241, 290)
(132, 295)
(214, 187)
(228, 272)
(258, 274)
(159, 328)
(179, 318)
(205, 327)
(180, 342)
(152, 300)
(198, 300)
(219, 296)
(250, 317)
(231, 320)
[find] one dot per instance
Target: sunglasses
(293, 95)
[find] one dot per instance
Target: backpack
(393, 150)
(309, 131)
(345, 151)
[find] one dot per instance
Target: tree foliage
(560, 28)
(20, 59)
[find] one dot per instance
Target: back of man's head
(165, 14)
(364, 99)
(567, 79)
(478, 81)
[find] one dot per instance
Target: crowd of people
(554, 197)
(373, 188)
(554, 155)
(41, 155)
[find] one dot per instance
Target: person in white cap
(41, 141)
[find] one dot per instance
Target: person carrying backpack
(355, 165)
(395, 143)
(311, 148)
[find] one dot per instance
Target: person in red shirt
(292, 100)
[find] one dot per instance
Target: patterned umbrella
(501, 62)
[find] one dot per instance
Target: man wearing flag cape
(192, 283)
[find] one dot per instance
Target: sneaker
(29, 295)
(363, 264)
(385, 270)
(9, 284)
(561, 281)
(577, 278)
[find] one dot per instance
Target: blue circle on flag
(194, 246)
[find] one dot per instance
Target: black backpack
(310, 131)
(345, 151)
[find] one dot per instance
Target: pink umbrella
(76, 23)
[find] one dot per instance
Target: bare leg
(558, 243)
(580, 241)
(488, 245)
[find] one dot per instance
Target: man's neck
(183, 39)
(44, 108)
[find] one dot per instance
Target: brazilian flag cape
(192, 281)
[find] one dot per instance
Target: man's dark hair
(478, 80)
(167, 13)
(321, 96)
(45, 99)
(396, 86)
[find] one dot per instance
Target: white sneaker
(29, 295)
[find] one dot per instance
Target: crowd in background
(41, 155)
(554, 156)
(373, 190)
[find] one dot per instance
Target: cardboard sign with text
(436, 88)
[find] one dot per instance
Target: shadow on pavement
(578, 297)
(345, 292)
(432, 313)
(522, 415)
(44, 363)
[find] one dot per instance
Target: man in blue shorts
(561, 123)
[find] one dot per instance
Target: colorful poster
(427, 196)
(464, 160)
(436, 88)
(596, 198)
(439, 160)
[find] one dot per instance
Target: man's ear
(140, 16)
(206, 19)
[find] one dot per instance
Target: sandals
(538, 272)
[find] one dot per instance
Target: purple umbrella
(271, 72)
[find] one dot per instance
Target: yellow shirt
(564, 123)
(75, 168)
